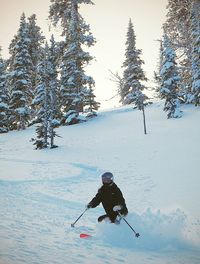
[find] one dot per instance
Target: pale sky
(108, 20)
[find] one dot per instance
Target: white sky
(109, 21)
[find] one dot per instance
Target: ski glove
(117, 208)
(121, 209)
(88, 206)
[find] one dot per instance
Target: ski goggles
(107, 180)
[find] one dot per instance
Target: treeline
(178, 75)
(46, 83)
(177, 79)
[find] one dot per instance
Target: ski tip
(83, 235)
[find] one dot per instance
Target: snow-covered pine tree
(157, 78)
(170, 80)
(76, 87)
(3, 97)
(12, 52)
(54, 91)
(177, 27)
(45, 100)
(60, 11)
(35, 49)
(41, 100)
(20, 77)
(195, 36)
(133, 74)
(53, 77)
(91, 105)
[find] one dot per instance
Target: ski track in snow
(38, 207)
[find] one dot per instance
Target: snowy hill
(43, 191)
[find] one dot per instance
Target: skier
(111, 198)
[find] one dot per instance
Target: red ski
(83, 235)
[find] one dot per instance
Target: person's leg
(113, 217)
(102, 217)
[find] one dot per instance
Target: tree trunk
(145, 130)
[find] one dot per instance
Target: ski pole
(72, 225)
(136, 234)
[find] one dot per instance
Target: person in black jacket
(111, 198)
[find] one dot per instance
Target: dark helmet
(107, 177)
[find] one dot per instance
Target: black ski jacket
(109, 196)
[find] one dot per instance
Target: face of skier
(107, 182)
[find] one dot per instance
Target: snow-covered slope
(43, 191)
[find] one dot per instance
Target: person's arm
(96, 200)
(123, 210)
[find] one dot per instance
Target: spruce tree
(91, 105)
(42, 101)
(76, 87)
(4, 108)
(45, 100)
(20, 77)
(157, 78)
(177, 24)
(54, 83)
(133, 74)
(195, 36)
(170, 80)
(54, 92)
(177, 27)
(35, 49)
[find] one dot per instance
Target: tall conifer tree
(170, 80)
(4, 126)
(133, 74)
(76, 86)
(45, 99)
(42, 99)
(177, 27)
(35, 49)
(20, 77)
(195, 36)
(54, 83)
(157, 78)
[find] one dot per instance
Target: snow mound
(158, 232)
